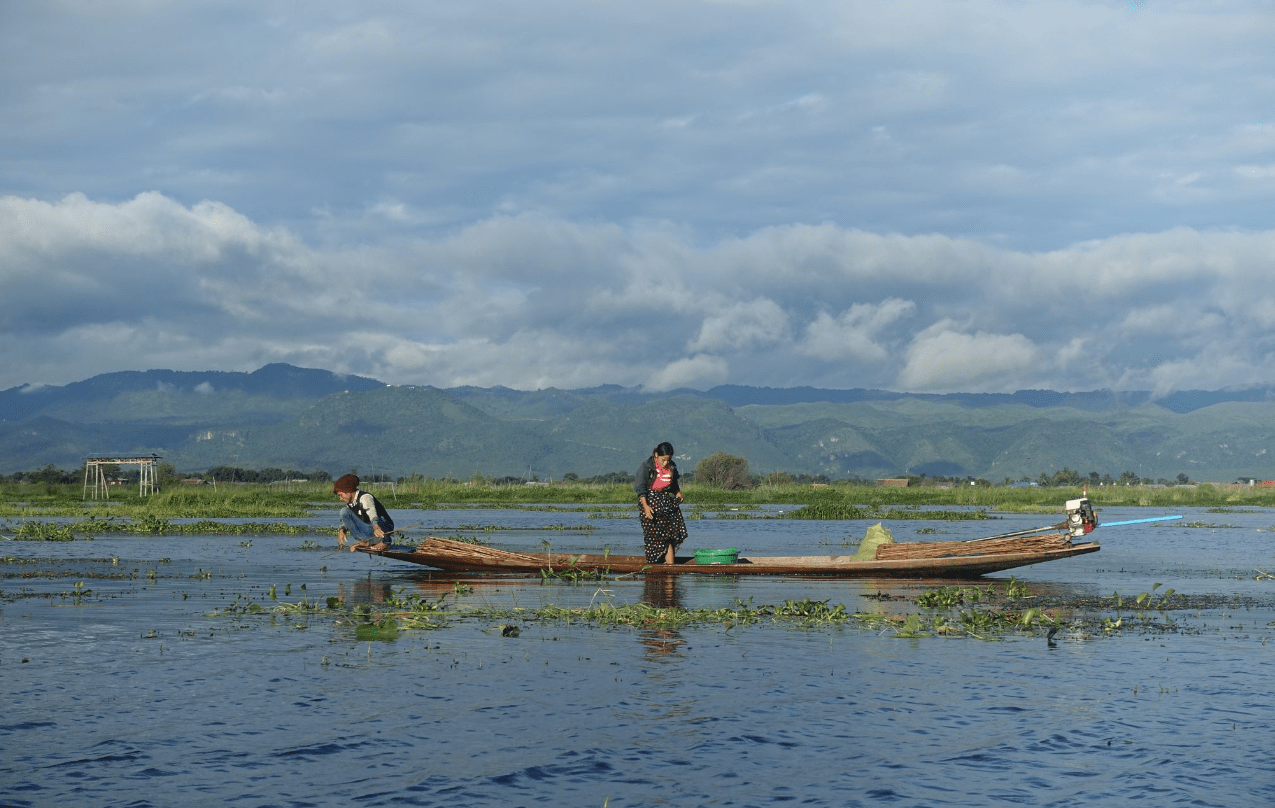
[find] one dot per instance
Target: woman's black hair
(665, 449)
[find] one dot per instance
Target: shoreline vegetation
(190, 510)
(831, 501)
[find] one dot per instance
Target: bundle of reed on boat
(465, 552)
(944, 549)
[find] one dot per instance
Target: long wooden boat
(945, 559)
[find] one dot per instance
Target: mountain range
(307, 419)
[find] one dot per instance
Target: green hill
(295, 418)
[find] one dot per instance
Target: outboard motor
(1080, 517)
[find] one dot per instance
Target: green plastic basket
(716, 556)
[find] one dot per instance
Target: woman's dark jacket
(646, 475)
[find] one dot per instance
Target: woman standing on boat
(659, 498)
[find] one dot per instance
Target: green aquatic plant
(1033, 616)
(911, 628)
(572, 575)
(827, 510)
(977, 620)
(946, 597)
(78, 593)
(44, 531)
(1145, 600)
(240, 606)
(814, 609)
(412, 611)
(1015, 589)
(37, 530)
(383, 630)
(844, 511)
(149, 524)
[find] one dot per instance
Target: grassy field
(298, 500)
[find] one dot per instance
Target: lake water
(132, 695)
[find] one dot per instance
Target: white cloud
(740, 327)
(853, 335)
(944, 358)
(533, 301)
(1209, 370)
(575, 193)
(1077, 350)
(700, 371)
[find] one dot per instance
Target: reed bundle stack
(469, 553)
(945, 549)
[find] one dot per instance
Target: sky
(915, 195)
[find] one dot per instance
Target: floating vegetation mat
(83, 529)
(969, 612)
(835, 510)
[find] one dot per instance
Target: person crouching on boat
(364, 517)
(659, 498)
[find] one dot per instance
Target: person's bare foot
(379, 546)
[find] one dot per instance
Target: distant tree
(230, 474)
(778, 478)
(1066, 478)
(166, 474)
(50, 475)
(1183, 479)
(721, 470)
(570, 477)
(320, 476)
(1128, 478)
(611, 478)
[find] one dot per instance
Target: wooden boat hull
(910, 560)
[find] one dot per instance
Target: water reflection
(365, 591)
(662, 592)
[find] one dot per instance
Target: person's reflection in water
(662, 592)
(365, 592)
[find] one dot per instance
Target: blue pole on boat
(1137, 521)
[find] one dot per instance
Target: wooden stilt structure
(95, 474)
